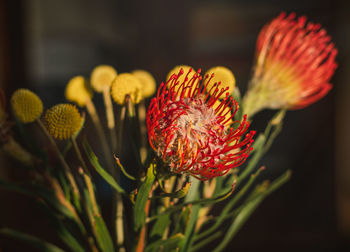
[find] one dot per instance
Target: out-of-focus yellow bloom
(147, 81)
(102, 76)
(63, 121)
(26, 105)
(183, 77)
(222, 110)
(126, 84)
(78, 91)
(222, 75)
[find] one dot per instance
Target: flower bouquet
(195, 176)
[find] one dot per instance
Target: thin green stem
(80, 156)
(110, 116)
(65, 166)
(101, 134)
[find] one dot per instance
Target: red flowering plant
(189, 133)
(293, 65)
(201, 149)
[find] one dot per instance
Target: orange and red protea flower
(294, 63)
(190, 134)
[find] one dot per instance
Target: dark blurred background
(43, 43)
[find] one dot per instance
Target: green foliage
(142, 198)
(33, 241)
(94, 162)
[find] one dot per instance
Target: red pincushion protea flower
(294, 63)
(189, 134)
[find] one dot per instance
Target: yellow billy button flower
(188, 78)
(102, 76)
(78, 91)
(147, 81)
(63, 121)
(126, 84)
(26, 105)
(222, 75)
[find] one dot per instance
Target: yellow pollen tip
(102, 76)
(63, 121)
(26, 105)
(126, 84)
(181, 79)
(223, 75)
(78, 91)
(147, 81)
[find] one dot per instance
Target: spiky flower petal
(294, 63)
(26, 105)
(186, 127)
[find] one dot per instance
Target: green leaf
(159, 227)
(67, 237)
(191, 196)
(123, 169)
(178, 194)
(182, 223)
(61, 228)
(228, 207)
(39, 192)
(142, 197)
(168, 244)
(249, 207)
(102, 235)
(32, 240)
(94, 161)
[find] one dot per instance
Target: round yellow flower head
(63, 121)
(182, 77)
(147, 81)
(26, 105)
(126, 84)
(78, 91)
(102, 76)
(223, 75)
(223, 111)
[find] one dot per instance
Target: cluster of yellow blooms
(64, 120)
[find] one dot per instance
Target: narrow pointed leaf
(178, 194)
(159, 227)
(249, 208)
(168, 244)
(123, 169)
(33, 241)
(102, 235)
(142, 197)
(105, 175)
